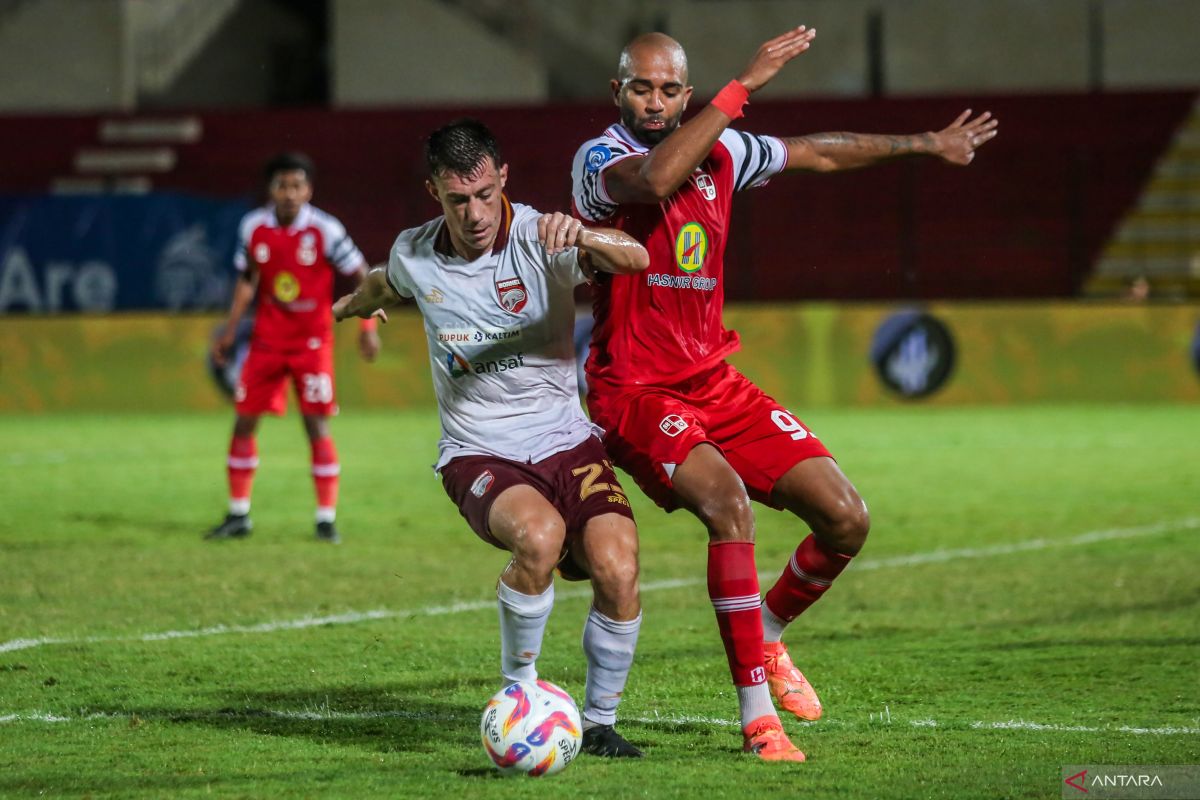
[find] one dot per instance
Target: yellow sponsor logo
(691, 247)
(287, 288)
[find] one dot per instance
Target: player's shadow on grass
(374, 718)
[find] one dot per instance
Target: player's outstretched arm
(370, 298)
(829, 152)
(656, 176)
(243, 296)
(606, 249)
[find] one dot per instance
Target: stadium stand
(1028, 220)
(1158, 241)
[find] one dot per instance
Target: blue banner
(100, 253)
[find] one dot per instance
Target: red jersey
(664, 325)
(295, 275)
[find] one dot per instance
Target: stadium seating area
(1028, 219)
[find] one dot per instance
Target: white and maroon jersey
(663, 325)
(295, 275)
(500, 334)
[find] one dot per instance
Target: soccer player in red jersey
(287, 253)
(692, 431)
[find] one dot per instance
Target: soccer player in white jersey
(495, 283)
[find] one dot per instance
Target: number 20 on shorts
(318, 387)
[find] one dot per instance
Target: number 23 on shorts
(590, 485)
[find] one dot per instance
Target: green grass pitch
(1029, 598)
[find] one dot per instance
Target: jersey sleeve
(756, 159)
(245, 231)
(396, 273)
(594, 157)
(340, 249)
(562, 267)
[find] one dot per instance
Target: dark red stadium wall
(1025, 220)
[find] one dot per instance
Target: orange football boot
(765, 738)
(791, 689)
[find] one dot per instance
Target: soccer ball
(531, 728)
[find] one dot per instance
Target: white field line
(353, 617)
(325, 714)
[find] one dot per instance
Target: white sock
(522, 624)
(755, 702)
(326, 513)
(772, 625)
(239, 507)
(609, 647)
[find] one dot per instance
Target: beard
(649, 137)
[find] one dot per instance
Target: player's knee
(245, 425)
(538, 543)
(617, 573)
(850, 523)
(728, 516)
(615, 583)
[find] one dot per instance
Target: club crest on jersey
(306, 253)
(706, 185)
(691, 247)
(262, 252)
(597, 157)
(286, 287)
(512, 295)
(673, 425)
(482, 483)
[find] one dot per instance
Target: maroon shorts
(579, 483)
(651, 429)
(262, 386)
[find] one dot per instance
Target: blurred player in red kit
(693, 431)
(287, 253)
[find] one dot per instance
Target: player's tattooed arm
(604, 249)
(243, 295)
(829, 152)
(370, 299)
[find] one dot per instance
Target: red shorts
(651, 429)
(262, 386)
(579, 483)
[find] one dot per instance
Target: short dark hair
(459, 147)
(287, 162)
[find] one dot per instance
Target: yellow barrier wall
(817, 354)
(805, 355)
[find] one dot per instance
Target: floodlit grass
(1021, 618)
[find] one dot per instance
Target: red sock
(325, 469)
(733, 587)
(243, 460)
(806, 577)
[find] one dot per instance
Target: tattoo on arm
(863, 145)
